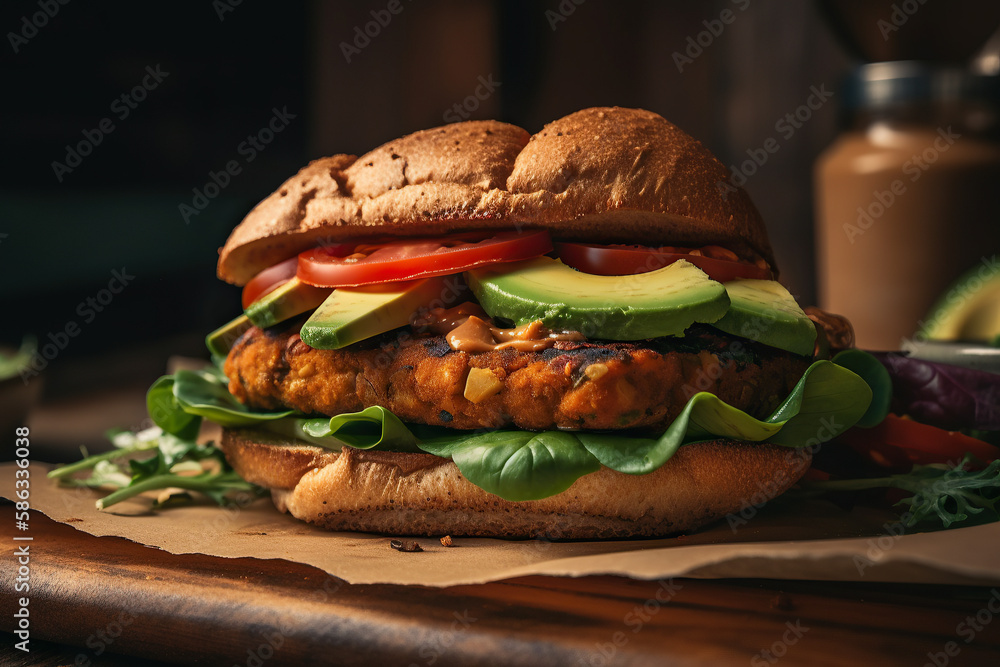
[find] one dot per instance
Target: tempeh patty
(572, 385)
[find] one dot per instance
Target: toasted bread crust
(604, 175)
(420, 494)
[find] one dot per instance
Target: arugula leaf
(105, 473)
(943, 496)
(171, 451)
(217, 486)
(518, 465)
(126, 447)
(955, 496)
(178, 463)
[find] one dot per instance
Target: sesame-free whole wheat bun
(421, 494)
(601, 175)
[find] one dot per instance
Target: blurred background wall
(120, 121)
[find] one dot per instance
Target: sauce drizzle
(466, 330)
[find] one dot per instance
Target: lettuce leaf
(177, 403)
(168, 413)
(827, 400)
(523, 465)
(826, 394)
(517, 465)
(373, 427)
(877, 377)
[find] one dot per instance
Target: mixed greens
(942, 495)
(153, 460)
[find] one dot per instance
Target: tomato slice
(621, 260)
(273, 277)
(268, 279)
(417, 258)
(898, 442)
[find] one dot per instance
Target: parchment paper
(790, 540)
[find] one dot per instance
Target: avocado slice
(970, 310)
(352, 314)
(220, 341)
(764, 311)
(288, 300)
(664, 302)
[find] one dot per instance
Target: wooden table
(108, 595)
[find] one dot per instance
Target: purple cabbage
(942, 395)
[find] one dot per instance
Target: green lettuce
(877, 377)
(517, 465)
(372, 428)
(178, 402)
(523, 465)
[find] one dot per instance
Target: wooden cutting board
(101, 596)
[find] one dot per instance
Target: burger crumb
(409, 547)
(782, 601)
(446, 541)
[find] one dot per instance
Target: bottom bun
(420, 494)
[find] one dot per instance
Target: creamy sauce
(443, 320)
(466, 331)
(838, 328)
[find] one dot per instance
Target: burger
(475, 331)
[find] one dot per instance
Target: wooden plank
(110, 595)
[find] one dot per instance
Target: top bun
(601, 175)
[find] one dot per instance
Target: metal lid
(879, 85)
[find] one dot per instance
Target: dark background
(228, 67)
